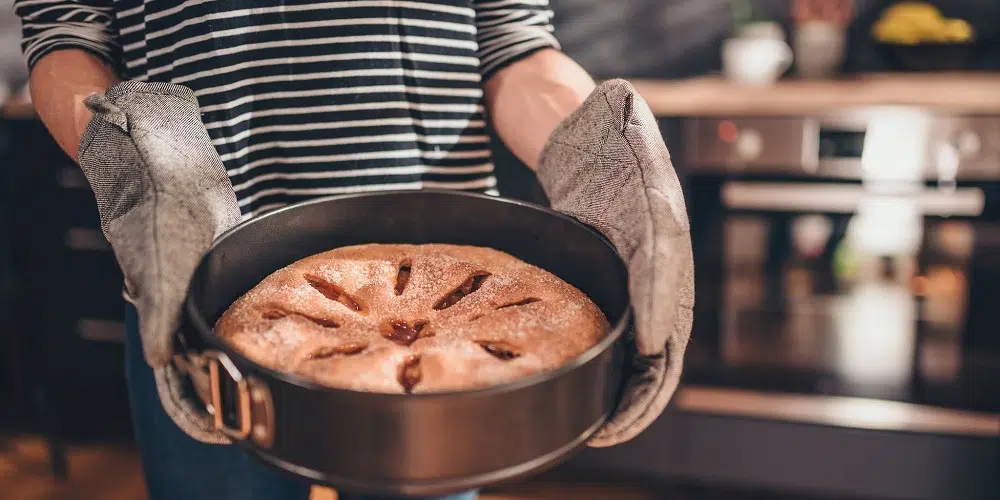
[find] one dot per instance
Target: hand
(606, 165)
(163, 197)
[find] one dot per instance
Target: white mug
(756, 61)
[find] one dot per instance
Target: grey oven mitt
(163, 197)
(607, 166)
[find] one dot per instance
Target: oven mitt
(607, 166)
(163, 197)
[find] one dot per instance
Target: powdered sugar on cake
(412, 318)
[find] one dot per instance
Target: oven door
(829, 288)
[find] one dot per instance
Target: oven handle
(840, 198)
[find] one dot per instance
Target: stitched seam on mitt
(574, 148)
(158, 135)
(642, 415)
(129, 98)
(681, 228)
(155, 228)
(600, 154)
(145, 173)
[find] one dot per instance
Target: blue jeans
(177, 467)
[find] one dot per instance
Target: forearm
(527, 100)
(60, 81)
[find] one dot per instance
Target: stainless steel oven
(854, 144)
(847, 321)
(846, 338)
(853, 252)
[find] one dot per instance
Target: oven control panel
(849, 145)
(781, 143)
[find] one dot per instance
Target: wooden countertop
(970, 93)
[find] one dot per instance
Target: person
(307, 98)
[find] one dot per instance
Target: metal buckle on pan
(215, 360)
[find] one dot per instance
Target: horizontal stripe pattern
(307, 98)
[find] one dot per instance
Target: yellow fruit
(896, 33)
(909, 23)
(958, 30)
(911, 10)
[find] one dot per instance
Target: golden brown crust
(412, 318)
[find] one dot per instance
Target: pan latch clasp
(237, 422)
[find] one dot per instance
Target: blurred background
(842, 167)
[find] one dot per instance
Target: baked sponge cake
(393, 318)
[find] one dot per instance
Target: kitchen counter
(970, 93)
(967, 93)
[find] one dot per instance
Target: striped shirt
(304, 98)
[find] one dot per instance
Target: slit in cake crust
(348, 349)
(333, 292)
(403, 275)
(405, 333)
(522, 302)
(500, 349)
(278, 313)
(468, 287)
(410, 373)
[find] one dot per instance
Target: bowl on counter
(931, 56)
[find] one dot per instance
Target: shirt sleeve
(49, 25)
(509, 30)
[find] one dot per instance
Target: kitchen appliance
(409, 444)
(845, 340)
(850, 254)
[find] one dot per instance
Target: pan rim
(207, 333)
(436, 487)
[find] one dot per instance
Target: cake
(394, 318)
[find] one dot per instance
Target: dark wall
(678, 38)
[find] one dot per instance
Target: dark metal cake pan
(420, 444)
